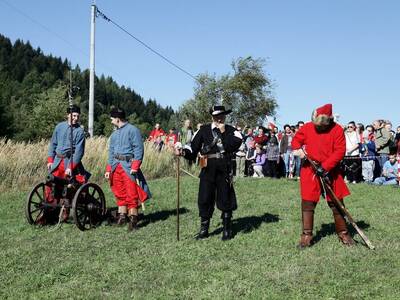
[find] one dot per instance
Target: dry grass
(23, 164)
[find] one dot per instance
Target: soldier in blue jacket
(123, 170)
(59, 154)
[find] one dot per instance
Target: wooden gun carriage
(56, 199)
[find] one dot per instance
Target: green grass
(260, 262)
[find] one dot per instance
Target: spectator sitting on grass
(259, 162)
(389, 172)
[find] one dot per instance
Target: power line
(72, 45)
(44, 27)
(99, 13)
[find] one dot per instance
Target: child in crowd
(259, 162)
(368, 154)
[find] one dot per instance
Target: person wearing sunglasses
(352, 160)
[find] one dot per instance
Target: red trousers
(60, 172)
(124, 188)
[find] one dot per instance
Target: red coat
(155, 133)
(261, 140)
(327, 148)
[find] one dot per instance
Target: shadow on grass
(146, 219)
(161, 216)
(248, 224)
(329, 229)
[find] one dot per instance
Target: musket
(188, 173)
(71, 137)
(327, 187)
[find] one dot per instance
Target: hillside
(33, 88)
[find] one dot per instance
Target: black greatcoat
(215, 181)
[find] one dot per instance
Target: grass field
(261, 262)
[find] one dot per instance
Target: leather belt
(123, 157)
(216, 155)
(68, 155)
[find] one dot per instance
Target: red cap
(324, 110)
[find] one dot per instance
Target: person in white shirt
(352, 161)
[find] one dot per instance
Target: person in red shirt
(156, 136)
(323, 141)
(171, 138)
(261, 138)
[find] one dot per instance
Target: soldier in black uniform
(217, 143)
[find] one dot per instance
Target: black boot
(133, 223)
(227, 226)
(204, 225)
(121, 221)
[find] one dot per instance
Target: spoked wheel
(88, 206)
(35, 204)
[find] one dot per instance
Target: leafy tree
(248, 92)
(49, 109)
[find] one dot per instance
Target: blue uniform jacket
(60, 144)
(127, 141)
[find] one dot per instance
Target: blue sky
(346, 52)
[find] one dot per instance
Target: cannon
(56, 198)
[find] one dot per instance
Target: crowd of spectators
(372, 151)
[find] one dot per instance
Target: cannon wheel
(34, 207)
(88, 206)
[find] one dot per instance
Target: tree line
(34, 93)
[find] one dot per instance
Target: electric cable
(99, 13)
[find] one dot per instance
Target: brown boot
(341, 227)
(305, 240)
(307, 213)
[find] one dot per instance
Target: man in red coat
(323, 141)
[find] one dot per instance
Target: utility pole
(92, 73)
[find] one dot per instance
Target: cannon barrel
(57, 180)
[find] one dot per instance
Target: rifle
(326, 186)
